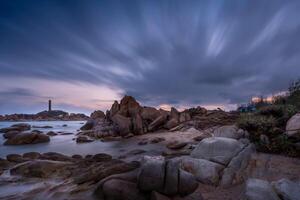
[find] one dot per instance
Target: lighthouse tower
(49, 105)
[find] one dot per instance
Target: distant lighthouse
(49, 105)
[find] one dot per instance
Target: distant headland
(46, 115)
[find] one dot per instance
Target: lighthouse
(49, 105)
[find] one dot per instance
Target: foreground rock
(293, 126)
(287, 189)
(16, 127)
(27, 138)
(260, 190)
(217, 149)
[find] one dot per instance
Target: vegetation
(266, 126)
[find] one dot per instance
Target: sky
(85, 54)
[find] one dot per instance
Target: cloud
(170, 52)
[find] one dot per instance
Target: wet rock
(64, 125)
(10, 134)
(293, 126)
(97, 114)
(205, 171)
(55, 156)
(115, 189)
(187, 183)
(4, 164)
(287, 189)
(38, 168)
(101, 157)
(83, 139)
(257, 189)
(41, 126)
(143, 142)
(32, 155)
(52, 133)
(157, 140)
(27, 138)
(176, 145)
(15, 158)
(88, 125)
(217, 149)
(16, 127)
(152, 173)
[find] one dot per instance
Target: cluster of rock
(45, 116)
(18, 134)
(129, 117)
(257, 189)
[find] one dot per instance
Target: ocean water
(67, 145)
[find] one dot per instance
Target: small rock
(27, 138)
(42, 127)
(76, 156)
(101, 157)
(31, 155)
(51, 133)
(83, 139)
(176, 145)
(143, 142)
(157, 140)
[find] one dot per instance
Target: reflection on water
(66, 144)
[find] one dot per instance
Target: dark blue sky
(84, 54)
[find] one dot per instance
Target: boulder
(88, 125)
(287, 189)
(152, 174)
(51, 133)
(55, 156)
(97, 114)
(38, 168)
(184, 116)
(293, 126)
(10, 134)
(15, 158)
(171, 177)
(257, 189)
(101, 157)
(187, 183)
(157, 123)
(176, 145)
(83, 139)
(171, 123)
(137, 123)
(205, 171)
(174, 114)
(16, 127)
(123, 124)
(202, 136)
(31, 155)
(217, 149)
(129, 107)
(228, 131)
(115, 189)
(235, 171)
(27, 138)
(114, 109)
(150, 113)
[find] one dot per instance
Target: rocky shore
(53, 115)
(161, 155)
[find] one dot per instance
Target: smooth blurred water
(66, 144)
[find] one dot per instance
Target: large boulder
(27, 138)
(17, 127)
(287, 189)
(257, 189)
(123, 124)
(88, 125)
(293, 126)
(171, 177)
(184, 116)
(97, 114)
(187, 183)
(152, 174)
(129, 107)
(205, 171)
(217, 149)
(114, 109)
(119, 190)
(39, 168)
(150, 113)
(10, 134)
(228, 131)
(137, 124)
(235, 171)
(157, 123)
